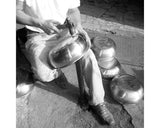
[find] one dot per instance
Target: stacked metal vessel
(125, 88)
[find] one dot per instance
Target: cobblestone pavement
(50, 106)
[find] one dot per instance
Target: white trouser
(38, 46)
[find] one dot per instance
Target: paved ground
(50, 106)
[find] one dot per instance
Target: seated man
(40, 18)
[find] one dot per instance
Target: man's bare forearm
(74, 15)
(48, 26)
(23, 18)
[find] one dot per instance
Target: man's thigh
(36, 51)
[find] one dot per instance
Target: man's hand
(75, 18)
(49, 26)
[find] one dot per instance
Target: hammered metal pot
(104, 47)
(23, 89)
(72, 51)
(126, 89)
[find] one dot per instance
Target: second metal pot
(126, 89)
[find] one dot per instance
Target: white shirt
(49, 9)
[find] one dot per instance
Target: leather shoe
(102, 111)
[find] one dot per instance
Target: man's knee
(46, 76)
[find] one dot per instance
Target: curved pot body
(23, 89)
(104, 47)
(126, 89)
(74, 48)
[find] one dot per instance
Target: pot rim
(67, 45)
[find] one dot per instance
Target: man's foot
(102, 111)
(62, 81)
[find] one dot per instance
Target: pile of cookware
(105, 51)
(125, 88)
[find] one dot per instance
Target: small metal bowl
(126, 89)
(104, 47)
(111, 70)
(70, 52)
(23, 89)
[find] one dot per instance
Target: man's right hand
(49, 26)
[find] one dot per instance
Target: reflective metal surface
(104, 48)
(126, 89)
(111, 69)
(70, 53)
(23, 89)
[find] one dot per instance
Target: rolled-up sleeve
(74, 4)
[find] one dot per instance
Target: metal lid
(103, 43)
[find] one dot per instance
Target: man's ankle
(95, 102)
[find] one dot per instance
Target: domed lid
(103, 43)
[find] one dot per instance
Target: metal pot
(111, 69)
(23, 89)
(74, 47)
(104, 47)
(126, 89)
